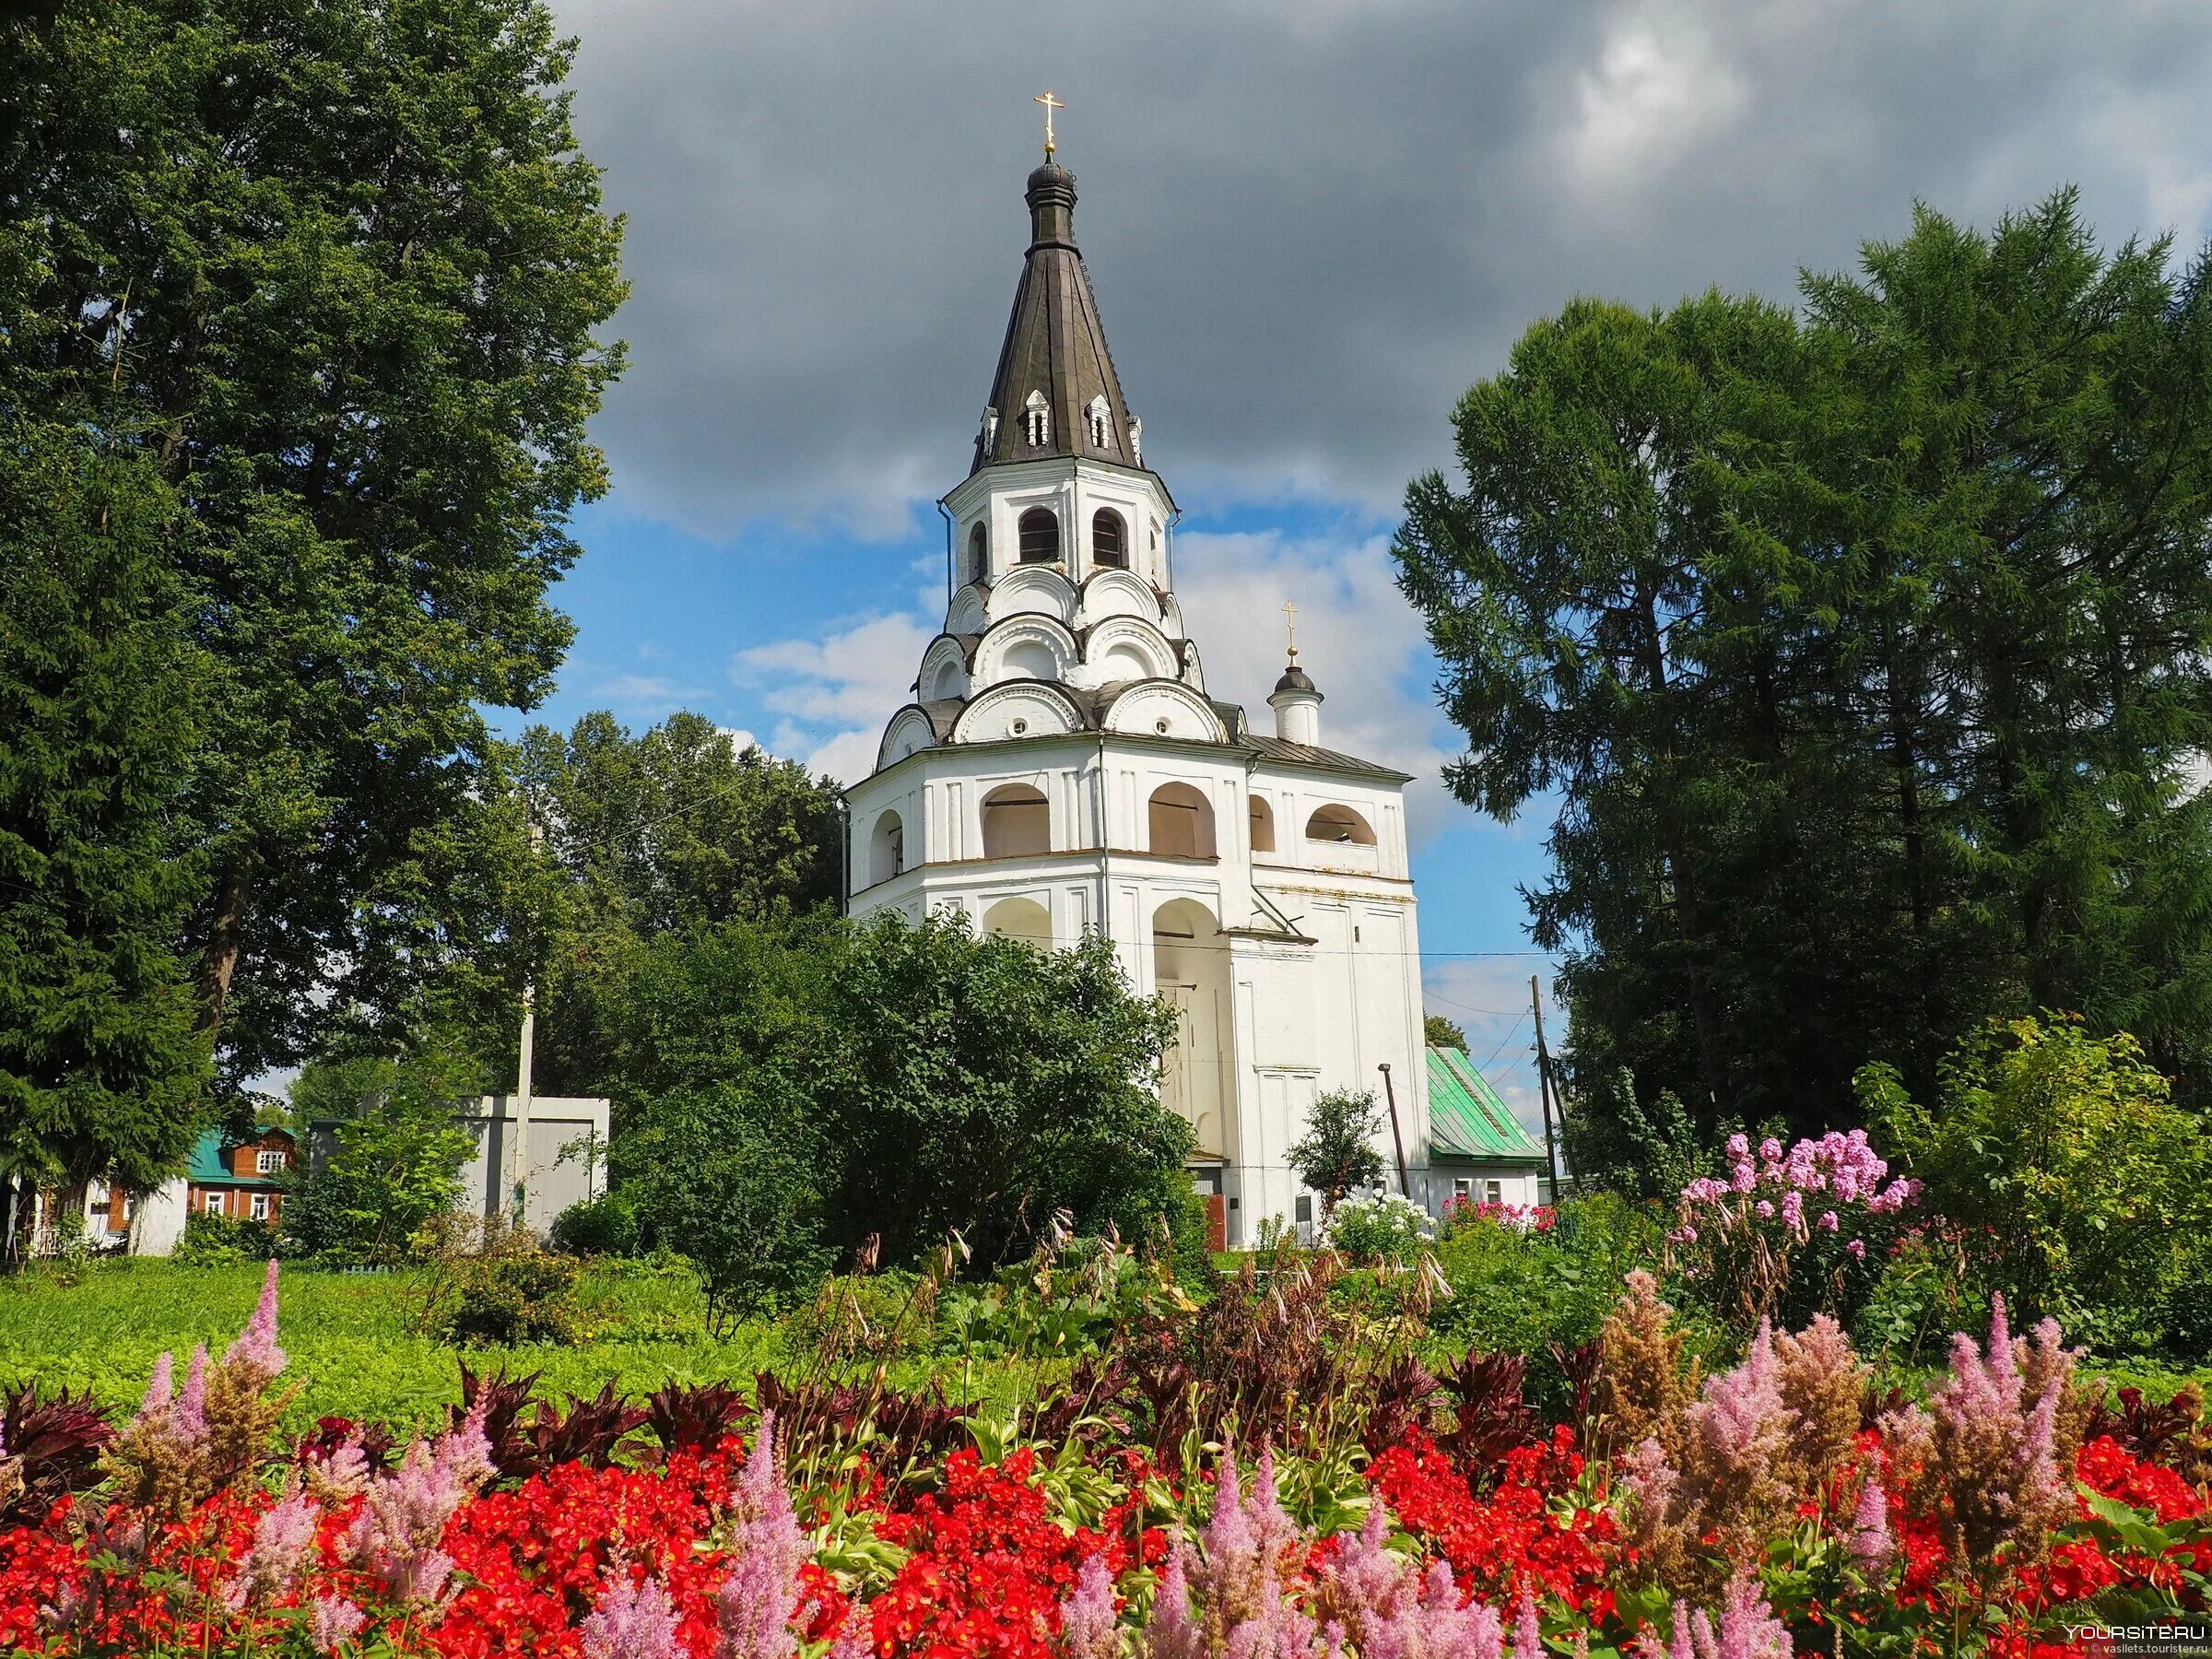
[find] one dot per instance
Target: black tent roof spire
(1055, 392)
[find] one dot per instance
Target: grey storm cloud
(1311, 224)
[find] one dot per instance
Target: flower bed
(1749, 1514)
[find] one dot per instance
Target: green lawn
(350, 1351)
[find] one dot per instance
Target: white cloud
(646, 697)
(837, 692)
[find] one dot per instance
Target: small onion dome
(1051, 174)
(1296, 680)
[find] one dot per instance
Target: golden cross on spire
(1290, 625)
(1050, 103)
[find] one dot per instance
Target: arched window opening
(1109, 542)
(1039, 530)
(1017, 822)
(978, 553)
(1340, 824)
(1100, 420)
(1262, 826)
(887, 849)
(1022, 919)
(1037, 421)
(1181, 822)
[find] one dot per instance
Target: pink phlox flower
(1087, 1626)
(1858, 1249)
(1765, 1207)
(1793, 1209)
(332, 1621)
(1829, 1221)
(1739, 1145)
(631, 1621)
(1742, 1178)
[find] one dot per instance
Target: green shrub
(1518, 1290)
(2064, 1157)
(1926, 1290)
(210, 1240)
(527, 1296)
(605, 1226)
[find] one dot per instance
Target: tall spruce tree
(335, 270)
(1863, 650)
(101, 1069)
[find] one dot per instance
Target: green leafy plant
(1336, 1154)
(395, 1161)
(605, 1226)
(2082, 1188)
(212, 1240)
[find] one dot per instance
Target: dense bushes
(1522, 1289)
(2079, 1189)
(212, 1240)
(804, 1086)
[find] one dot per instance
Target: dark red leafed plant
(55, 1446)
(695, 1416)
(1489, 1408)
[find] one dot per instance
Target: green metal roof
(1466, 1119)
(210, 1168)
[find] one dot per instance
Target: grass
(347, 1335)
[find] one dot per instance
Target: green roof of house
(1466, 1119)
(210, 1168)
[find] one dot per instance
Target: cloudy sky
(1312, 224)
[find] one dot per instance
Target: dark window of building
(979, 554)
(1108, 545)
(1039, 535)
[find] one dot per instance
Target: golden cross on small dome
(1290, 625)
(1050, 103)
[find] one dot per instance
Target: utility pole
(522, 1081)
(1551, 1155)
(1397, 1140)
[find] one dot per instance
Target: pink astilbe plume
(1275, 1628)
(1871, 1545)
(403, 1517)
(1173, 1632)
(189, 1419)
(1389, 1608)
(160, 1391)
(1994, 1438)
(756, 1602)
(332, 1621)
(1087, 1617)
(631, 1621)
(1749, 1627)
(1735, 1431)
(1528, 1636)
(256, 1345)
(282, 1551)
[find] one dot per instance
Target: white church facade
(1062, 769)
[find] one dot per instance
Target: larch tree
(1862, 650)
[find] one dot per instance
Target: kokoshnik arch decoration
(1062, 769)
